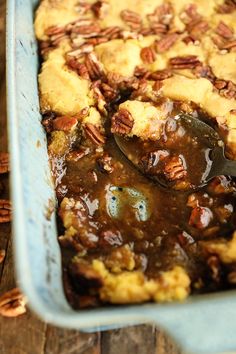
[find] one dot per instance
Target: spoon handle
(229, 168)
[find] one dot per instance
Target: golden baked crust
(204, 31)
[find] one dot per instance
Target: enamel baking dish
(202, 324)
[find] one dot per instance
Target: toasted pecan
(184, 62)
(132, 19)
(94, 67)
(148, 55)
(224, 31)
(197, 28)
(64, 123)
(166, 42)
(160, 74)
(86, 28)
(94, 134)
(229, 45)
(111, 32)
(12, 303)
(54, 30)
(227, 7)
(174, 168)
(5, 210)
(4, 162)
(122, 122)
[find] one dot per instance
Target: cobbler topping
(127, 70)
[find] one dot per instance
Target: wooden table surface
(27, 334)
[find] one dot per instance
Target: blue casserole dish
(203, 324)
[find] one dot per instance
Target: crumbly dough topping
(131, 287)
(61, 90)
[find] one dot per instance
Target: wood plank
(165, 344)
(62, 341)
(24, 334)
(129, 340)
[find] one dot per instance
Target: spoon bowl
(217, 164)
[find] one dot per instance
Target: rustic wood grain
(135, 339)
(27, 334)
(61, 341)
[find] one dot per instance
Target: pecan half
(157, 85)
(64, 123)
(56, 39)
(226, 88)
(94, 67)
(4, 162)
(220, 84)
(12, 303)
(100, 9)
(122, 122)
(83, 71)
(148, 55)
(166, 42)
(224, 31)
(146, 31)
(5, 211)
(160, 74)
(94, 134)
(184, 62)
(200, 217)
(112, 32)
(159, 28)
(108, 92)
(77, 155)
(87, 29)
(54, 30)
(86, 47)
(96, 40)
(174, 168)
(227, 7)
(229, 45)
(2, 255)
(81, 68)
(132, 19)
(197, 28)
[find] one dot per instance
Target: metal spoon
(209, 137)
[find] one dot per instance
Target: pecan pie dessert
(125, 71)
